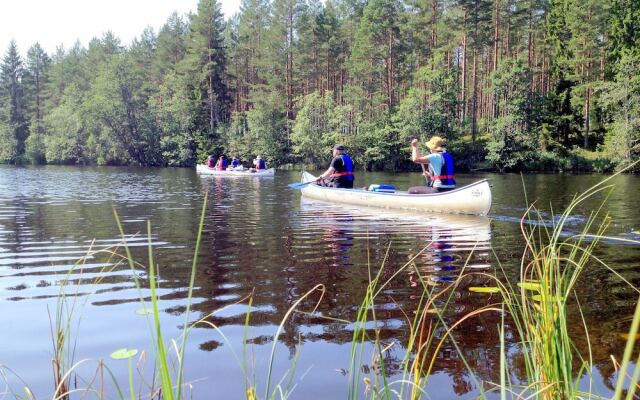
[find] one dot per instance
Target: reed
(536, 301)
(65, 325)
(537, 305)
(170, 380)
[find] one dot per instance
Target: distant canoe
(204, 170)
(471, 199)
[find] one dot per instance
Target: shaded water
(260, 238)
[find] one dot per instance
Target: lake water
(261, 239)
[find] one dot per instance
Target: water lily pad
(484, 289)
(124, 353)
(530, 286)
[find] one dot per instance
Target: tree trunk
(390, 69)
(434, 24)
(463, 86)
(474, 98)
(212, 125)
(496, 50)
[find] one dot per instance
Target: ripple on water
(259, 240)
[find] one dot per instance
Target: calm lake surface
(260, 238)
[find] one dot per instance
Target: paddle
(421, 164)
(299, 185)
(429, 183)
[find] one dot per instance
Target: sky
(55, 22)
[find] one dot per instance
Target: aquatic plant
(536, 301)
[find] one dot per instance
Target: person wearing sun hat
(439, 172)
(340, 171)
(259, 163)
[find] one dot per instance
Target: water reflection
(439, 246)
(261, 239)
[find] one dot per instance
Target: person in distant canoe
(440, 167)
(210, 163)
(259, 163)
(221, 165)
(235, 162)
(340, 171)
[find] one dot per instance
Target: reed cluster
(536, 302)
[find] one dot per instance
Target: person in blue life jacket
(235, 162)
(259, 163)
(439, 172)
(221, 165)
(340, 171)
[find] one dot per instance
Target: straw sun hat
(435, 143)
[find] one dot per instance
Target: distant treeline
(512, 84)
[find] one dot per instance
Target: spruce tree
(12, 100)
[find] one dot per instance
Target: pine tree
(35, 80)
(283, 38)
(171, 44)
(251, 61)
(624, 31)
(379, 50)
(206, 62)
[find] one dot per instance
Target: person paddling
(440, 167)
(340, 171)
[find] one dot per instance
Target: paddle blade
(299, 185)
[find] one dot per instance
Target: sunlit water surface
(261, 240)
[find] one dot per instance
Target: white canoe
(204, 170)
(471, 199)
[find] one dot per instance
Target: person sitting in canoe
(259, 164)
(235, 163)
(340, 171)
(221, 165)
(210, 163)
(440, 167)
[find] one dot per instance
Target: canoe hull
(204, 170)
(472, 199)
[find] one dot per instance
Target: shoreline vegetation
(523, 85)
(535, 305)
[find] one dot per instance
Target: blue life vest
(347, 174)
(261, 164)
(222, 165)
(448, 178)
(235, 163)
(446, 174)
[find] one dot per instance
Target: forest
(513, 85)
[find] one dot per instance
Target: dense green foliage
(512, 84)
